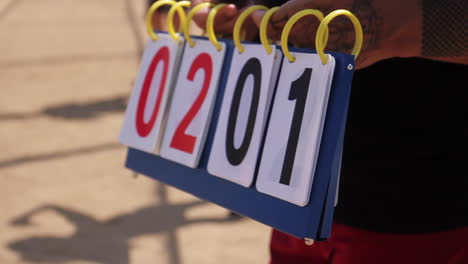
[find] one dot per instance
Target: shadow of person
(95, 241)
(87, 110)
(74, 111)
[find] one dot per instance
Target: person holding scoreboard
(402, 196)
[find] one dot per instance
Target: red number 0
(144, 128)
(181, 140)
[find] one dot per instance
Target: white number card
(293, 138)
(243, 115)
(192, 103)
(144, 118)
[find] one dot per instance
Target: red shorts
(349, 245)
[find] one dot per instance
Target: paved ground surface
(66, 68)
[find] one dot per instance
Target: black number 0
(236, 155)
(298, 92)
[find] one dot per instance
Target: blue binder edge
(343, 73)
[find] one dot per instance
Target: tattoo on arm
(443, 28)
(341, 30)
(342, 36)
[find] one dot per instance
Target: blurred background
(66, 70)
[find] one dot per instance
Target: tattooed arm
(432, 29)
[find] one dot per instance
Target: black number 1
(298, 92)
(235, 155)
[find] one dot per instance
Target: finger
(309, 242)
(279, 19)
(303, 33)
(273, 32)
(196, 2)
(248, 26)
(201, 16)
(225, 28)
(257, 17)
(249, 29)
(223, 19)
(228, 12)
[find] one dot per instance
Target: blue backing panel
(295, 220)
(337, 121)
(330, 149)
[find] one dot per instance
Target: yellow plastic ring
(263, 29)
(150, 13)
(170, 18)
(290, 24)
(324, 27)
(210, 26)
(236, 34)
(190, 15)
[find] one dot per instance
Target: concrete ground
(66, 69)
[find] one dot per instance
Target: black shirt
(405, 158)
(406, 154)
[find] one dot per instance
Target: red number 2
(181, 140)
(144, 128)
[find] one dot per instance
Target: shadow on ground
(58, 155)
(71, 112)
(75, 111)
(93, 240)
